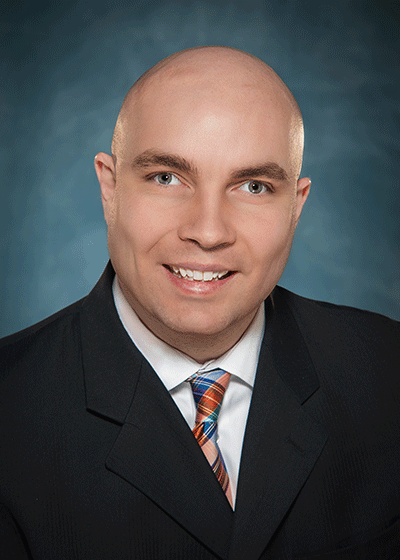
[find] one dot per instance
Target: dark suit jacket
(97, 463)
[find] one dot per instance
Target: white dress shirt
(174, 368)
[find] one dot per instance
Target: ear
(105, 170)
(303, 188)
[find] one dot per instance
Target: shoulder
(42, 340)
(52, 349)
(356, 356)
(346, 344)
(355, 353)
(64, 322)
(40, 378)
(328, 318)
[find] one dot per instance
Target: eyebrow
(269, 169)
(152, 157)
(149, 158)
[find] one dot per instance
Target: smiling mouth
(198, 275)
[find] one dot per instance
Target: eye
(166, 179)
(256, 187)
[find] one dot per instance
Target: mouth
(199, 275)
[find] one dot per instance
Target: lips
(198, 275)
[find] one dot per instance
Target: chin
(200, 326)
(196, 329)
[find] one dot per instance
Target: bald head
(209, 72)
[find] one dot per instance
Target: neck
(200, 347)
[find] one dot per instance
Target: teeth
(197, 275)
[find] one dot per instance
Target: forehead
(212, 116)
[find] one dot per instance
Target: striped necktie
(208, 391)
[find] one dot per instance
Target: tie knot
(208, 391)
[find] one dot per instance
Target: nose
(208, 223)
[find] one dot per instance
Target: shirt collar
(172, 366)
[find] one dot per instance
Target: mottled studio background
(65, 67)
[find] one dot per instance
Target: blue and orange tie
(208, 391)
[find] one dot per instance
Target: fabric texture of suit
(97, 463)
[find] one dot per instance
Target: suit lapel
(282, 442)
(155, 451)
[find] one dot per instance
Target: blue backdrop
(65, 69)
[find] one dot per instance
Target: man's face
(203, 211)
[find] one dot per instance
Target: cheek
(133, 222)
(274, 238)
(139, 229)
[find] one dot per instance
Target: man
(295, 449)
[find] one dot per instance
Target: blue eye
(166, 179)
(255, 187)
